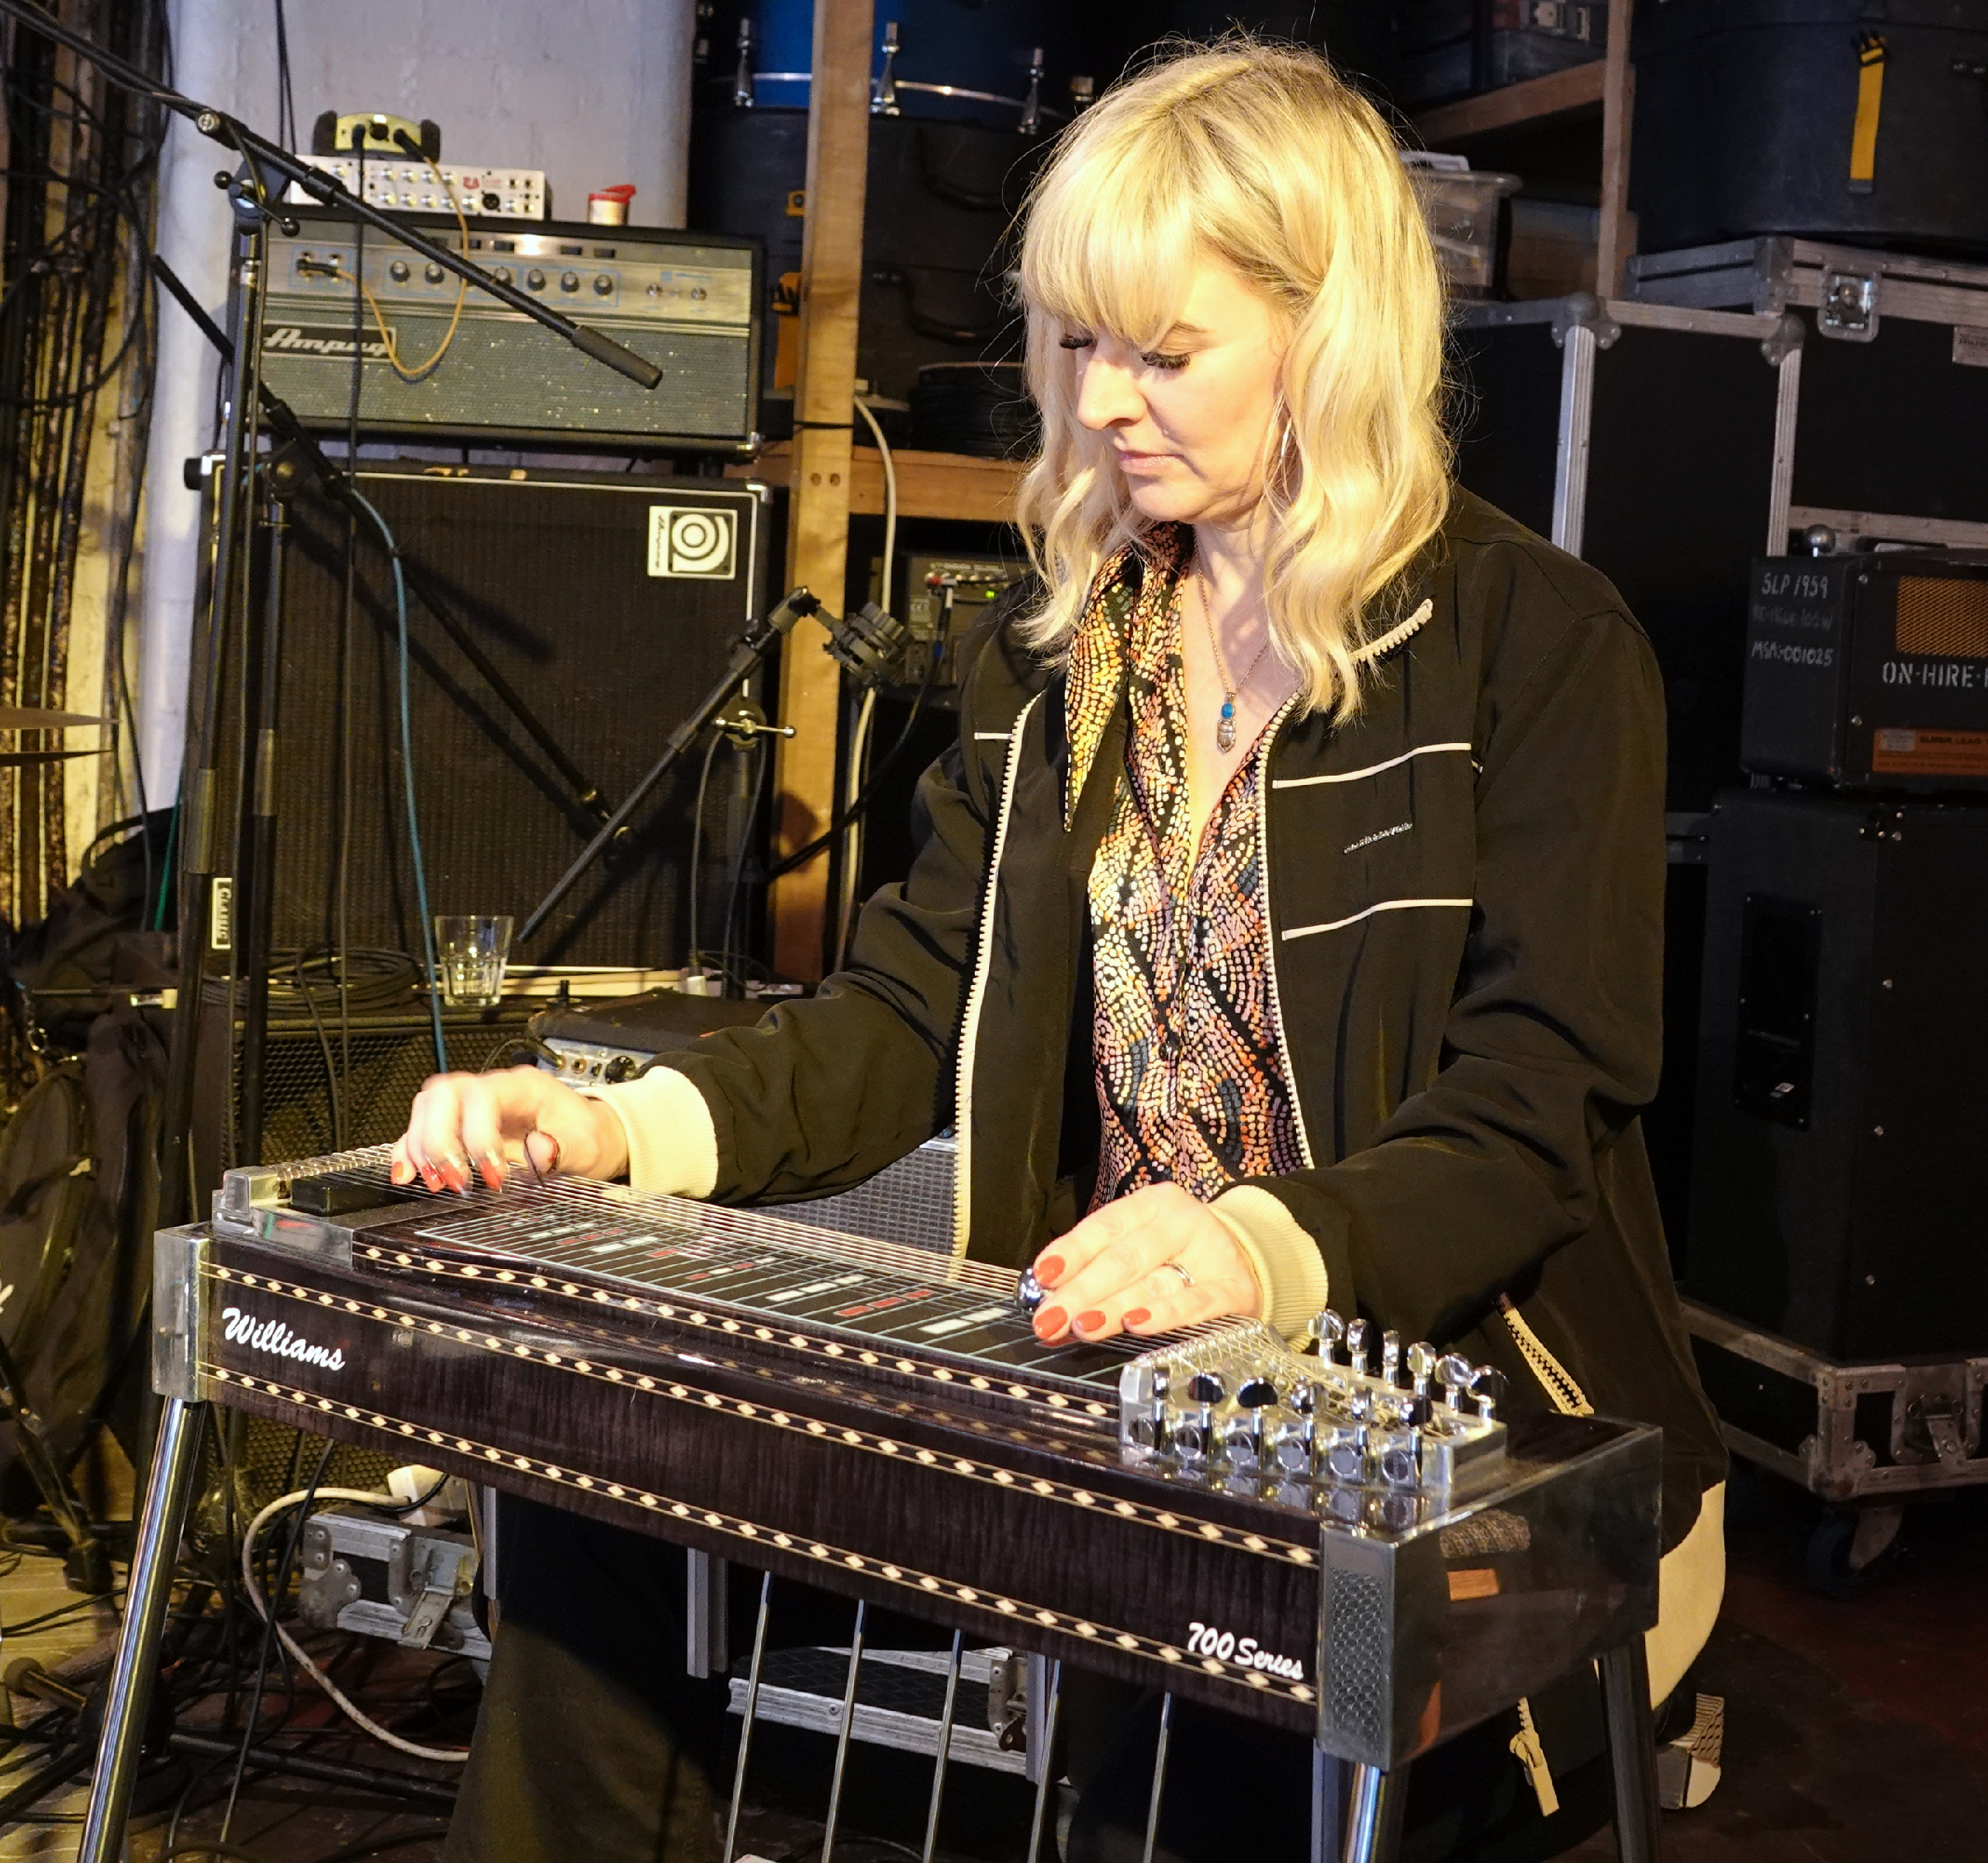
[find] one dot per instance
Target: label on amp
(332, 341)
(1899, 752)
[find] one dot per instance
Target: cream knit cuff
(672, 1144)
(1288, 1267)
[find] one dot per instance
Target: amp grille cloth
(1943, 614)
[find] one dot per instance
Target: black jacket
(1469, 1005)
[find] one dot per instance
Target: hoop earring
(1282, 469)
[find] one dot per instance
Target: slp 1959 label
(1243, 1652)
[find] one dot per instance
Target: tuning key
(1246, 1438)
(1390, 1356)
(1421, 1367)
(1487, 1386)
(1455, 1372)
(1359, 1345)
(1331, 1329)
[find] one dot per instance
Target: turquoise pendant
(1225, 732)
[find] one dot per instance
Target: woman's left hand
(1114, 1272)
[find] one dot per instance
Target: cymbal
(11, 759)
(28, 718)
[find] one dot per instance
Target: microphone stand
(207, 917)
(751, 648)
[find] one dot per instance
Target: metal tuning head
(1207, 1387)
(1303, 1397)
(1331, 1330)
(1029, 1292)
(1421, 1367)
(1487, 1386)
(1256, 1393)
(1359, 1344)
(1455, 1373)
(1390, 1356)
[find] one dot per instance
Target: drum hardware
(885, 85)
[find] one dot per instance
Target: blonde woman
(1284, 930)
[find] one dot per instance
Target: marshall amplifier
(688, 302)
(1869, 672)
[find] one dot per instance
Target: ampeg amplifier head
(1870, 672)
(687, 303)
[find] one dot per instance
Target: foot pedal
(1688, 1767)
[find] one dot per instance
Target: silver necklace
(1224, 729)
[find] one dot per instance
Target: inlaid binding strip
(750, 1533)
(766, 1415)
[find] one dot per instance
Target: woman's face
(1189, 422)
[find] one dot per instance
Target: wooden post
(1618, 227)
(818, 498)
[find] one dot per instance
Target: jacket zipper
(1270, 919)
(963, 1110)
(1568, 1397)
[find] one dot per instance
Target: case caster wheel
(1851, 1547)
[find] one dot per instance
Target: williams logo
(331, 340)
(272, 1336)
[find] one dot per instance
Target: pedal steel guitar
(1366, 1553)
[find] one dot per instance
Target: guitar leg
(175, 1463)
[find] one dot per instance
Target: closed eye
(1153, 359)
(1070, 339)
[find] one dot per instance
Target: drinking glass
(470, 953)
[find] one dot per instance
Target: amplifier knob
(604, 286)
(398, 271)
(619, 1067)
(503, 274)
(569, 280)
(434, 274)
(535, 279)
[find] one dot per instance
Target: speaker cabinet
(609, 603)
(1839, 1174)
(332, 1084)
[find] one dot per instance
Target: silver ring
(1186, 1279)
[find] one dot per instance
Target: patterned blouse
(1191, 1086)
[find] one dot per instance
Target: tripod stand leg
(175, 1464)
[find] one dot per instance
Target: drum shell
(1744, 111)
(942, 200)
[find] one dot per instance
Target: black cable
(286, 101)
(695, 962)
(342, 933)
(272, 1599)
(839, 824)
(352, 1852)
(420, 1500)
(332, 1076)
(747, 829)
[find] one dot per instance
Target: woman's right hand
(486, 1123)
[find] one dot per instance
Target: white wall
(594, 92)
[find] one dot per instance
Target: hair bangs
(1115, 260)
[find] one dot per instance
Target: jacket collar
(1130, 589)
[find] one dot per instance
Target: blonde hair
(1260, 156)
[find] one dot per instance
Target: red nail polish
(1138, 1317)
(1091, 1322)
(1049, 1321)
(1049, 1271)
